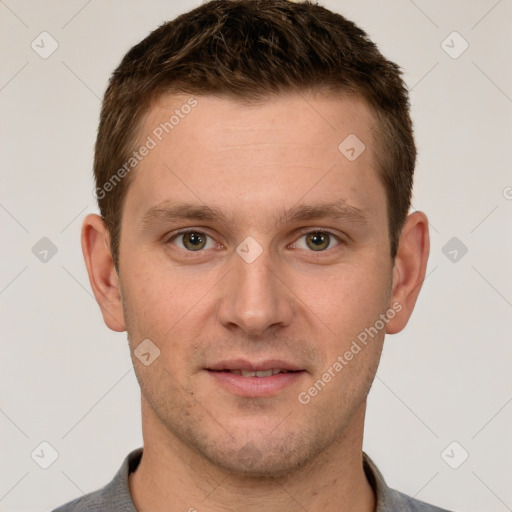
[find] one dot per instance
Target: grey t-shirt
(115, 496)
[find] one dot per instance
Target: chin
(253, 460)
(262, 455)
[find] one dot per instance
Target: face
(251, 243)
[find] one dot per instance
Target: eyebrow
(169, 211)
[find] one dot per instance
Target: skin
(206, 447)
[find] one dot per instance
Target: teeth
(264, 373)
(260, 373)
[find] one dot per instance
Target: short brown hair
(248, 50)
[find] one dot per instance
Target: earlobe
(409, 268)
(102, 273)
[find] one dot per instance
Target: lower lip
(256, 386)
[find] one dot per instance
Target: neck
(174, 477)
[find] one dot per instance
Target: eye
(317, 241)
(193, 241)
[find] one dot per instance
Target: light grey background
(67, 380)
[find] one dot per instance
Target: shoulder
(391, 500)
(107, 499)
(113, 497)
(409, 504)
(92, 501)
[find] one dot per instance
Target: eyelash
(302, 234)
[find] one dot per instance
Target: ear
(102, 273)
(409, 269)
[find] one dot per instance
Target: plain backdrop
(68, 381)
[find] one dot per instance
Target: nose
(255, 297)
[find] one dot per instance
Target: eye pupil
(193, 241)
(319, 240)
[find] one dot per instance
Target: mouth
(256, 373)
(250, 379)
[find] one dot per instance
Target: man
(254, 167)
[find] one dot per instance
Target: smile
(255, 379)
(258, 373)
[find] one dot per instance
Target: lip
(253, 366)
(256, 387)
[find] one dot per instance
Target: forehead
(249, 158)
(304, 119)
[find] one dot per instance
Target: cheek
(351, 304)
(167, 306)
(350, 307)
(162, 297)
(348, 299)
